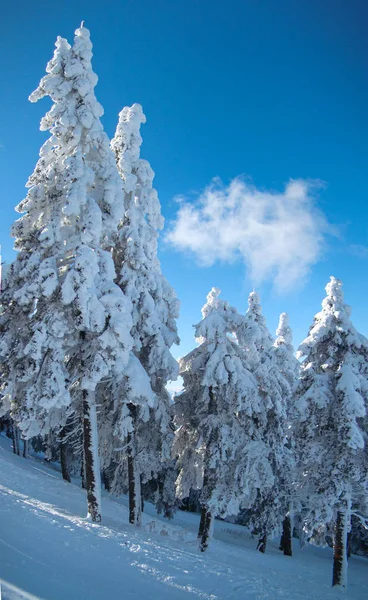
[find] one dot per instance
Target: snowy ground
(48, 550)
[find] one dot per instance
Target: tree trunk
(142, 499)
(285, 542)
(91, 458)
(15, 439)
(106, 481)
(262, 543)
(134, 477)
(202, 522)
(64, 462)
(340, 558)
(25, 448)
(348, 549)
(207, 530)
(83, 478)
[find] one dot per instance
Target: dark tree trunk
(202, 521)
(64, 462)
(15, 439)
(339, 551)
(206, 533)
(262, 543)
(134, 478)
(91, 459)
(83, 478)
(285, 542)
(25, 448)
(106, 481)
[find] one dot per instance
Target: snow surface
(50, 551)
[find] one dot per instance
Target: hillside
(50, 551)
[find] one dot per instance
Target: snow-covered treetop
(155, 306)
(255, 317)
(136, 173)
(78, 144)
(219, 361)
(252, 331)
(128, 137)
(333, 320)
(283, 332)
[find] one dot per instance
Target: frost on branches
(265, 459)
(332, 402)
(288, 367)
(217, 388)
(143, 423)
(78, 329)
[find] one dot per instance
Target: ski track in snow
(49, 550)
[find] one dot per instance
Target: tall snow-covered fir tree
(217, 387)
(264, 460)
(332, 400)
(145, 424)
(78, 330)
(288, 366)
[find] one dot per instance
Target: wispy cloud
(278, 236)
(359, 250)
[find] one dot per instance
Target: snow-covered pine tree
(155, 309)
(78, 330)
(12, 321)
(264, 459)
(288, 366)
(332, 399)
(217, 387)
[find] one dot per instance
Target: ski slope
(50, 551)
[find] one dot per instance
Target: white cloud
(278, 236)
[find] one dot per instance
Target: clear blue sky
(271, 89)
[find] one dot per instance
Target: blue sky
(261, 89)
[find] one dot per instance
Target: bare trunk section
(15, 439)
(202, 522)
(207, 531)
(285, 542)
(25, 448)
(134, 477)
(83, 479)
(91, 458)
(64, 456)
(262, 543)
(340, 556)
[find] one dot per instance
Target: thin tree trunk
(262, 543)
(25, 448)
(91, 458)
(134, 477)
(15, 439)
(64, 463)
(83, 478)
(142, 499)
(340, 558)
(106, 481)
(285, 542)
(202, 522)
(207, 530)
